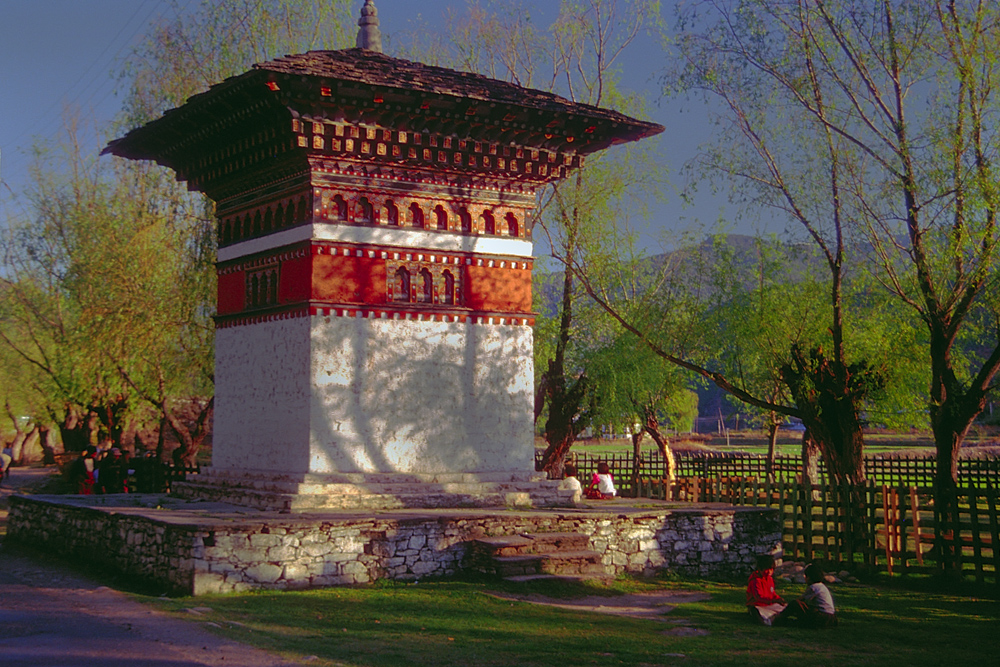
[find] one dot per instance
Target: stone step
(563, 562)
(367, 500)
(560, 541)
(503, 545)
(227, 476)
(520, 578)
(356, 489)
(535, 543)
(526, 556)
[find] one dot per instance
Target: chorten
(374, 316)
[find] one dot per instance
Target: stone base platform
(196, 547)
(373, 491)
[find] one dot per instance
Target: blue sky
(55, 53)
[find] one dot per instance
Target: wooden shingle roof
(357, 86)
(377, 69)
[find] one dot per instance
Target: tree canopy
(894, 98)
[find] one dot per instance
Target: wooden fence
(915, 471)
(874, 526)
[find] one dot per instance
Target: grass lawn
(451, 622)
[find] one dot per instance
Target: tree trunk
(130, 438)
(17, 442)
(48, 448)
(75, 429)
(652, 427)
(810, 460)
(567, 418)
(828, 394)
(29, 450)
(950, 424)
(16, 447)
(111, 414)
(954, 406)
(161, 440)
(772, 445)
(568, 414)
(554, 457)
(191, 439)
(636, 460)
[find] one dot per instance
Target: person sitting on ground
(569, 482)
(763, 602)
(815, 608)
(602, 484)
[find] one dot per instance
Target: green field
(452, 622)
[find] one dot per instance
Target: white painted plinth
(343, 395)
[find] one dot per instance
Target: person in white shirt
(815, 609)
(569, 482)
(602, 484)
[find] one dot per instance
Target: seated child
(570, 482)
(763, 602)
(602, 484)
(815, 608)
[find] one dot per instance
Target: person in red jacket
(763, 602)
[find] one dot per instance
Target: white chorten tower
(374, 327)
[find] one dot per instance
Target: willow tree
(899, 96)
(638, 393)
(766, 299)
(740, 55)
(740, 311)
(100, 267)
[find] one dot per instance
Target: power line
(86, 89)
(140, 26)
(46, 117)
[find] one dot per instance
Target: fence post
(902, 537)
(781, 508)
(807, 521)
(957, 535)
(827, 491)
(846, 513)
(991, 508)
(870, 546)
(887, 526)
(915, 516)
(795, 520)
(977, 542)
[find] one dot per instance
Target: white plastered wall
(420, 397)
(339, 394)
(395, 237)
(262, 396)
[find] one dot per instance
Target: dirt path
(53, 616)
(654, 606)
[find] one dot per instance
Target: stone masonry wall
(209, 555)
